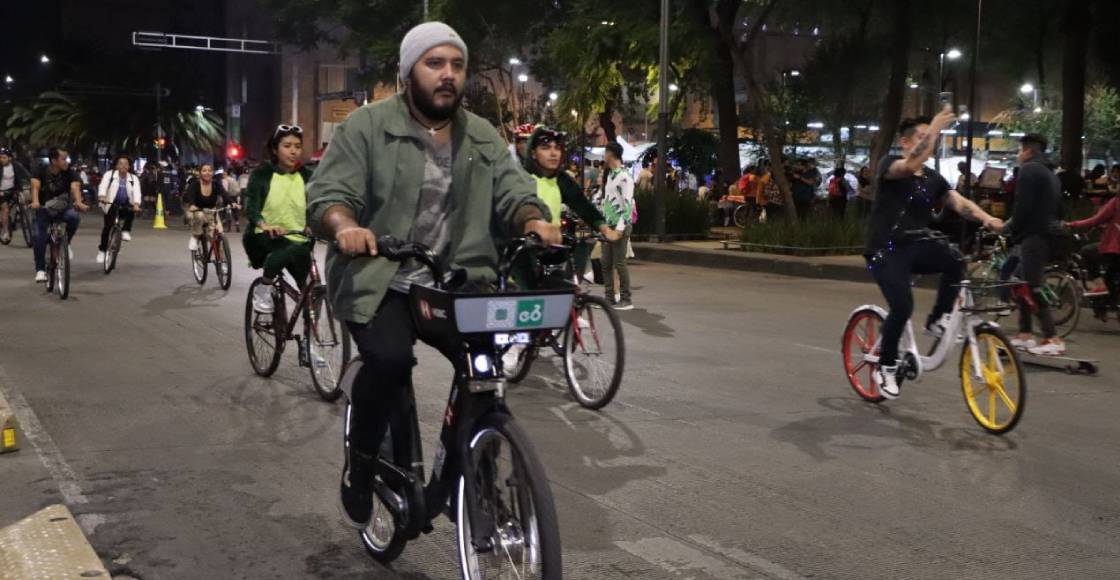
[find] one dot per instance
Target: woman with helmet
(275, 203)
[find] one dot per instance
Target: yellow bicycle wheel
(992, 379)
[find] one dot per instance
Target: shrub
(684, 213)
(820, 233)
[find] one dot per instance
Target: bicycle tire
(223, 266)
(741, 216)
(522, 363)
(112, 250)
(52, 265)
(264, 358)
(536, 511)
(199, 258)
(575, 340)
(1004, 353)
(63, 286)
(326, 334)
(1067, 313)
(854, 345)
(25, 225)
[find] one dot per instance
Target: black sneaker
(623, 305)
(356, 489)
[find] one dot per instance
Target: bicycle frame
(961, 316)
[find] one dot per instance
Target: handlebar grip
(391, 248)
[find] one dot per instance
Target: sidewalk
(710, 254)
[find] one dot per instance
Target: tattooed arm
(925, 143)
(972, 212)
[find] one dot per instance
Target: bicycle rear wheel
(860, 336)
(63, 267)
(113, 249)
(511, 491)
(264, 334)
(199, 257)
(992, 381)
(594, 352)
(223, 264)
(329, 346)
(1064, 298)
(741, 215)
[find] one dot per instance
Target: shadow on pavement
(649, 323)
(184, 297)
(815, 436)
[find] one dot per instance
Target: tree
(1075, 48)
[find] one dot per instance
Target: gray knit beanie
(423, 38)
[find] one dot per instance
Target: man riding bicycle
(898, 242)
(418, 167)
(56, 190)
(13, 178)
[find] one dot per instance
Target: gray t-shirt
(432, 226)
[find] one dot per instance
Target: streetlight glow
(523, 77)
(8, 79)
(794, 73)
(199, 108)
(44, 59)
(1026, 89)
(953, 54)
(515, 61)
(914, 85)
(673, 87)
(553, 96)
(1038, 109)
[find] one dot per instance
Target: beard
(425, 102)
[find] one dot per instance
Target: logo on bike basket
(530, 313)
(508, 314)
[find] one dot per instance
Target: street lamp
(1029, 89)
(953, 54)
(44, 59)
(514, 61)
(523, 77)
(794, 73)
(673, 87)
(8, 79)
(553, 96)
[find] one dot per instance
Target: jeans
(43, 220)
(387, 347)
(1034, 255)
(893, 274)
(614, 260)
(110, 216)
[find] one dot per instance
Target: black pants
(387, 347)
(804, 208)
(838, 206)
(110, 216)
(1034, 255)
(893, 274)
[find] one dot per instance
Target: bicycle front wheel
(860, 337)
(992, 380)
(594, 352)
(264, 334)
(62, 286)
(511, 492)
(223, 264)
(199, 257)
(113, 249)
(741, 215)
(329, 346)
(1064, 298)
(25, 226)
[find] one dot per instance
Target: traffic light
(233, 151)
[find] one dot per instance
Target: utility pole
(662, 127)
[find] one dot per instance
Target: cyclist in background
(56, 191)
(118, 193)
(13, 178)
(897, 237)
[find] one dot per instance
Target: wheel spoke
(991, 407)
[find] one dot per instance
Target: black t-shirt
(56, 184)
(907, 202)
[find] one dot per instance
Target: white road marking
(680, 558)
(49, 454)
(816, 348)
(755, 561)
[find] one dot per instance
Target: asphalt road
(734, 450)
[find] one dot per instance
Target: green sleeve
(342, 175)
(254, 195)
(574, 198)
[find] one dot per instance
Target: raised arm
(926, 143)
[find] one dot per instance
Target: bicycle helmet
(5, 151)
(524, 131)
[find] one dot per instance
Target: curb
(48, 544)
(10, 434)
(752, 262)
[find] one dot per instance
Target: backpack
(836, 187)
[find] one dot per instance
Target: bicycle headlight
(483, 365)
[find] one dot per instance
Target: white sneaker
(126, 236)
(40, 276)
(1023, 343)
(886, 378)
(583, 323)
(193, 244)
(1049, 347)
(262, 298)
(100, 257)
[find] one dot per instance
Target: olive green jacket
(375, 167)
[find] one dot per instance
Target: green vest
(549, 192)
(286, 204)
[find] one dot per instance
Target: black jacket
(1038, 201)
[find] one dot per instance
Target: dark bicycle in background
(213, 248)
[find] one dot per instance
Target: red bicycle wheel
(860, 335)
